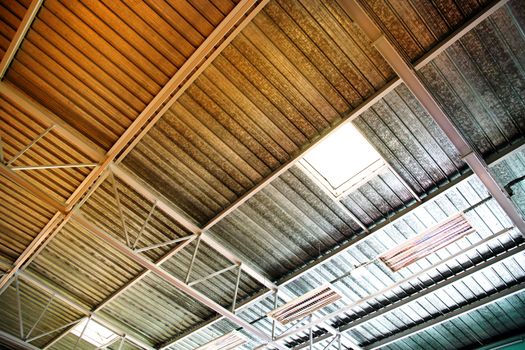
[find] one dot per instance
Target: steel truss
(154, 267)
(28, 337)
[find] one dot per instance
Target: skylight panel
(305, 305)
(427, 242)
(228, 341)
(342, 160)
(94, 333)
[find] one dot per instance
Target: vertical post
(339, 342)
(311, 334)
(82, 333)
(19, 306)
(120, 211)
(236, 287)
(188, 274)
(275, 299)
(121, 342)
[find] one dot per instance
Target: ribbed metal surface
(97, 64)
(83, 265)
(291, 73)
(288, 223)
(500, 319)
(480, 80)
(294, 70)
(22, 217)
(33, 301)
(11, 14)
(18, 129)
(156, 310)
(417, 25)
(487, 218)
(408, 138)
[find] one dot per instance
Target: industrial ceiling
(155, 179)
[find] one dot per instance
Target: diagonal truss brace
(169, 278)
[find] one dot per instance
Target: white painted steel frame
(210, 48)
(222, 214)
(388, 308)
(15, 43)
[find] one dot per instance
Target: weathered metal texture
(292, 72)
(11, 15)
(507, 171)
(100, 64)
(409, 139)
(289, 222)
(501, 319)
(33, 302)
(69, 341)
(416, 26)
(480, 80)
(156, 310)
(83, 266)
(488, 218)
(22, 217)
(18, 129)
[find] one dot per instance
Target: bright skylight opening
(94, 333)
(343, 158)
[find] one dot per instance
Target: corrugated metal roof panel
(476, 328)
(83, 265)
(156, 310)
(409, 139)
(291, 73)
(22, 218)
(99, 64)
(33, 302)
(480, 81)
(289, 222)
(417, 25)
(486, 217)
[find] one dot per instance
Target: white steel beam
(357, 10)
(20, 34)
(429, 290)
(225, 31)
(174, 281)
